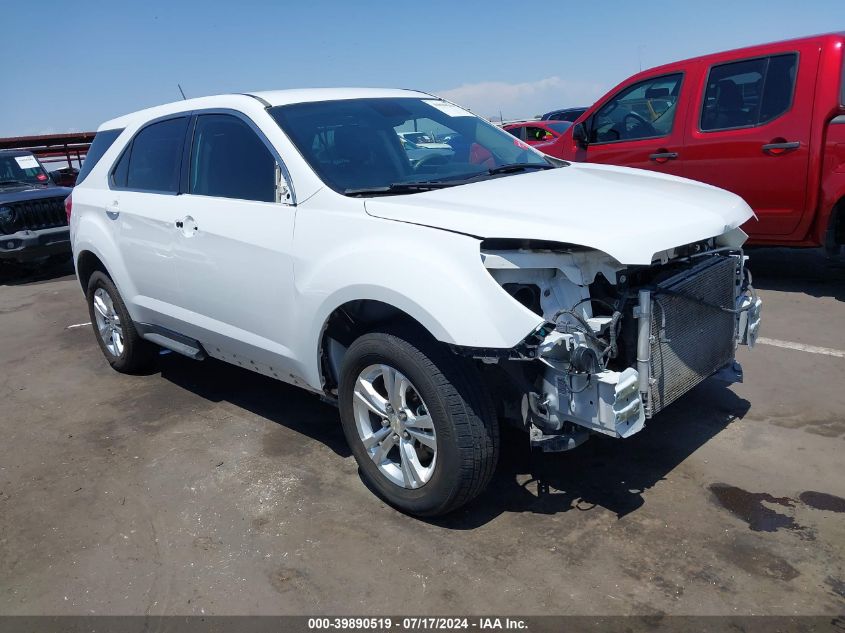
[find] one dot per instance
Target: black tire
(464, 420)
(137, 354)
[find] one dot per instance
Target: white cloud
(520, 100)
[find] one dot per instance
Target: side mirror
(579, 135)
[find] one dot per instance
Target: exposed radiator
(690, 338)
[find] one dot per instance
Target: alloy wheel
(395, 426)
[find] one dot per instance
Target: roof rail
(263, 102)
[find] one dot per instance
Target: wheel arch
(835, 237)
(87, 263)
(351, 320)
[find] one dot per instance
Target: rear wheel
(120, 342)
(419, 422)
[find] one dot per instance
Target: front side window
(229, 160)
(749, 92)
(644, 110)
(395, 145)
(155, 157)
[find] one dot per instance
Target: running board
(171, 340)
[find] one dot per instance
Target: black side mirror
(579, 135)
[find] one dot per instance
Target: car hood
(21, 193)
(630, 214)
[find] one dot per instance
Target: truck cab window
(749, 92)
(644, 110)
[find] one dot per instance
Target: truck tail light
(68, 207)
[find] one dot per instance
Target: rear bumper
(27, 245)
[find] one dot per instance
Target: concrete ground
(203, 488)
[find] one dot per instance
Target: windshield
(393, 144)
(16, 169)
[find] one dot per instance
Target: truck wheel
(419, 422)
(122, 346)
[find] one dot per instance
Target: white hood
(630, 214)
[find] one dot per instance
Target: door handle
(187, 225)
(112, 214)
(662, 157)
(780, 148)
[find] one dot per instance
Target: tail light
(68, 207)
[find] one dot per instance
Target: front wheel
(418, 421)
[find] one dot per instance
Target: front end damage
(619, 343)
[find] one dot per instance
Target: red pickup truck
(766, 122)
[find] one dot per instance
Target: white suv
(289, 233)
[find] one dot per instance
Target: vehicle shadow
(610, 473)
(605, 472)
(283, 404)
(16, 274)
(808, 270)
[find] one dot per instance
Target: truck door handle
(662, 157)
(781, 147)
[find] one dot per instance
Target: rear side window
(153, 160)
(749, 92)
(102, 142)
(229, 160)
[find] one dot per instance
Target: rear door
(143, 201)
(751, 134)
(640, 126)
(233, 245)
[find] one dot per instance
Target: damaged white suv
(430, 295)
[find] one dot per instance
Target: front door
(233, 244)
(751, 135)
(640, 126)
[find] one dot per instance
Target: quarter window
(644, 110)
(229, 160)
(155, 157)
(749, 92)
(102, 142)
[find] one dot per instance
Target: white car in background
(290, 234)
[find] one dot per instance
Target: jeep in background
(33, 219)
(765, 122)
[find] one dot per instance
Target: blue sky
(70, 66)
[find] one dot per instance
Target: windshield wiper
(428, 185)
(507, 169)
(15, 182)
(400, 187)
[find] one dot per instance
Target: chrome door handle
(780, 148)
(663, 156)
